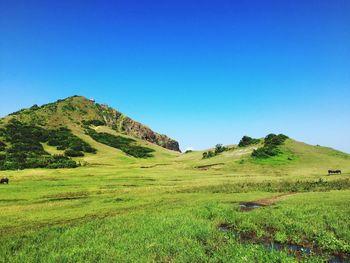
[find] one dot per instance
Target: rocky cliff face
(124, 124)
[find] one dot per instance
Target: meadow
(179, 208)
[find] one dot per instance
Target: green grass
(167, 208)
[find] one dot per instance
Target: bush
(68, 107)
(273, 139)
(246, 140)
(265, 152)
(127, 145)
(34, 107)
(219, 148)
(73, 153)
(26, 151)
(271, 146)
(93, 122)
(64, 139)
(2, 146)
(208, 154)
(60, 161)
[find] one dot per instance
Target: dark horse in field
(4, 180)
(334, 172)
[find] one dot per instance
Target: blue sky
(202, 72)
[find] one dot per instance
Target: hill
(51, 135)
(74, 111)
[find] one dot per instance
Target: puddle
(298, 251)
(249, 206)
(224, 228)
(292, 249)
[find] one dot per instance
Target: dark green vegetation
(219, 148)
(93, 122)
(2, 146)
(25, 149)
(63, 139)
(271, 146)
(246, 141)
(127, 145)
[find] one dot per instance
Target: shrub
(73, 153)
(271, 146)
(127, 145)
(94, 122)
(64, 139)
(68, 107)
(219, 149)
(273, 139)
(208, 154)
(26, 151)
(265, 152)
(246, 140)
(34, 107)
(2, 146)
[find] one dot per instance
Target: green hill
(57, 135)
(73, 111)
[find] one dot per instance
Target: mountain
(51, 135)
(72, 111)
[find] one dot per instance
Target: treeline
(127, 145)
(20, 147)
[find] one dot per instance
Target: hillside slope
(296, 158)
(76, 131)
(73, 111)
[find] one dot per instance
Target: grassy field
(178, 207)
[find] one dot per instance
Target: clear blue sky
(202, 72)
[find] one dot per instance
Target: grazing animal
(4, 180)
(334, 172)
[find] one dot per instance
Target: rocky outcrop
(126, 125)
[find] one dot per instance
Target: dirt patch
(271, 200)
(208, 166)
(248, 206)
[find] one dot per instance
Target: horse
(334, 172)
(4, 180)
